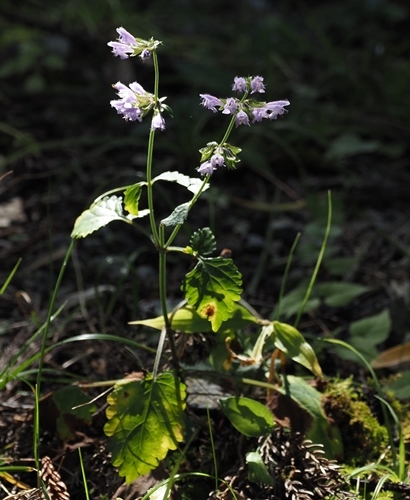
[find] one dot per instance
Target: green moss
(364, 438)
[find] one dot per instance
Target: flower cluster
(214, 156)
(128, 46)
(134, 102)
(245, 110)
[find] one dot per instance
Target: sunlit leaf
(212, 288)
(290, 341)
(203, 241)
(321, 430)
(186, 319)
(145, 421)
(131, 198)
(248, 416)
(258, 472)
(193, 184)
(178, 216)
(101, 213)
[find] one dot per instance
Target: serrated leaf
(145, 421)
(98, 215)
(72, 406)
(290, 341)
(193, 184)
(258, 472)
(212, 288)
(321, 430)
(131, 198)
(178, 216)
(203, 241)
(248, 416)
(186, 319)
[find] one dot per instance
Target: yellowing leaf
(393, 356)
(187, 320)
(145, 420)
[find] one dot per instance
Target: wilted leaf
(186, 319)
(145, 420)
(394, 356)
(290, 341)
(248, 416)
(212, 288)
(258, 473)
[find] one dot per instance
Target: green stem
(150, 153)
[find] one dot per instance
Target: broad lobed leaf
(145, 421)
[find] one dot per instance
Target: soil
(56, 169)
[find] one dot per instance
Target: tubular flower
(206, 168)
(128, 46)
(158, 122)
(210, 102)
(257, 85)
(230, 106)
(270, 110)
(239, 84)
(241, 118)
(134, 102)
(125, 46)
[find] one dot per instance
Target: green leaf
(203, 241)
(145, 420)
(178, 216)
(68, 400)
(258, 472)
(336, 294)
(193, 184)
(366, 333)
(102, 212)
(290, 304)
(131, 198)
(290, 341)
(248, 416)
(321, 431)
(212, 288)
(186, 319)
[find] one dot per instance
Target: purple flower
(125, 45)
(241, 118)
(230, 106)
(270, 110)
(145, 54)
(257, 85)
(239, 84)
(217, 160)
(206, 168)
(158, 122)
(210, 102)
(127, 105)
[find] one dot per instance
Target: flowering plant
(145, 414)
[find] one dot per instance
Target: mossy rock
(364, 438)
